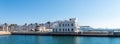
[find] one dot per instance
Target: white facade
(70, 25)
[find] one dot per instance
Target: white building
(70, 25)
(42, 29)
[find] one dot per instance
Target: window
(59, 25)
(72, 29)
(63, 25)
(68, 24)
(68, 29)
(59, 29)
(71, 24)
(63, 29)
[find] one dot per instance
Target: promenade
(96, 34)
(90, 34)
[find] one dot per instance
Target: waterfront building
(42, 28)
(70, 25)
(32, 26)
(13, 27)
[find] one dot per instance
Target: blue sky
(95, 13)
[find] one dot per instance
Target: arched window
(72, 25)
(59, 29)
(59, 25)
(63, 25)
(68, 29)
(63, 29)
(72, 29)
(68, 24)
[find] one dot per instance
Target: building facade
(70, 25)
(42, 28)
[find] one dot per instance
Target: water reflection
(2, 36)
(99, 40)
(66, 39)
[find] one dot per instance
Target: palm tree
(25, 24)
(36, 24)
(5, 26)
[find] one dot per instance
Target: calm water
(24, 39)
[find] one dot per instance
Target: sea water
(33, 39)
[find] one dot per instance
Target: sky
(94, 13)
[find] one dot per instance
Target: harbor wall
(95, 34)
(61, 33)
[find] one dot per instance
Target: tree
(5, 27)
(25, 24)
(5, 24)
(36, 24)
